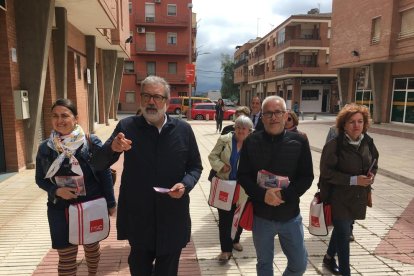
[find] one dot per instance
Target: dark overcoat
(150, 220)
(337, 166)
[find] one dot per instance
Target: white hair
(275, 99)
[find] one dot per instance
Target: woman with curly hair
(348, 167)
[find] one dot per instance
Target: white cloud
(224, 24)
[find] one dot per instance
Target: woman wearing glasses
(224, 159)
(292, 123)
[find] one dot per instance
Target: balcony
(300, 42)
(162, 21)
(240, 63)
(178, 78)
(161, 50)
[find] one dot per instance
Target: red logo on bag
(223, 196)
(96, 225)
(315, 221)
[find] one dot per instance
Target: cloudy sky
(224, 24)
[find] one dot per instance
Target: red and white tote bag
(88, 221)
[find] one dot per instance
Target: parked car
(200, 111)
(179, 105)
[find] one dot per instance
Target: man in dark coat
(159, 151)
(276, 209)
(256, 113)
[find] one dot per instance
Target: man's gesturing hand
(120, 143)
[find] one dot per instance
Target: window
(376, 30)
(310, 95)
(281, 36)
(130, 7)
(150, 41)
(305, 60)
(182, 94)
(151, 68)
(172, 38)
(130, 97)
(280, 61)
(149, 12)
(407, 24)
(171, 10)
(172, 67)
(78, 67)
(402, 108)
(129, 66)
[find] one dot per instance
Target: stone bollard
(303, 115)
(207, 117)
(314, 116)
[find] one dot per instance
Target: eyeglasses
(157, 98)
(277, 113)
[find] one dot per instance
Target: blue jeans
(339, 244)
(291, 240)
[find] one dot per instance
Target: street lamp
(190, 6)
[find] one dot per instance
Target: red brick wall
(13, 131)
(138, 14)
(351, 30)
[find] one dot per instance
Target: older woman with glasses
(292, 122)
(224, 158)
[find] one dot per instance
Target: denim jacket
(98, 183)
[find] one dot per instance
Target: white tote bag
(317, 222)
(88, 221)
(221, 193)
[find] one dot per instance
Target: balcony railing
(300, 42)
(161, 21)
(178, 78)
(161, 50)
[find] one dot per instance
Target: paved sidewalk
(384, 241)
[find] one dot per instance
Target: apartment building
(57, 49)
(372, 47)
(292, 61)
(163, 35)
(241, 70)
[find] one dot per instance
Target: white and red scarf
(66, 146)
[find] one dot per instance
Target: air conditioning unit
(141, 30)
(157, 1)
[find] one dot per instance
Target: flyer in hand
(269, 180)
(72, 181)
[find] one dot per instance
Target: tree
(228, 90)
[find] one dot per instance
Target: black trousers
(141, 263)
(225, 222)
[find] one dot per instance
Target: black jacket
(287, 154)
(148, 219)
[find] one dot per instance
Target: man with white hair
(276, 209)
(161, 165)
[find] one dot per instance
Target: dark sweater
(287, 154)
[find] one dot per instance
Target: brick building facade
(57, 49)
(161, 46)
(372, 48)
(290, 61)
